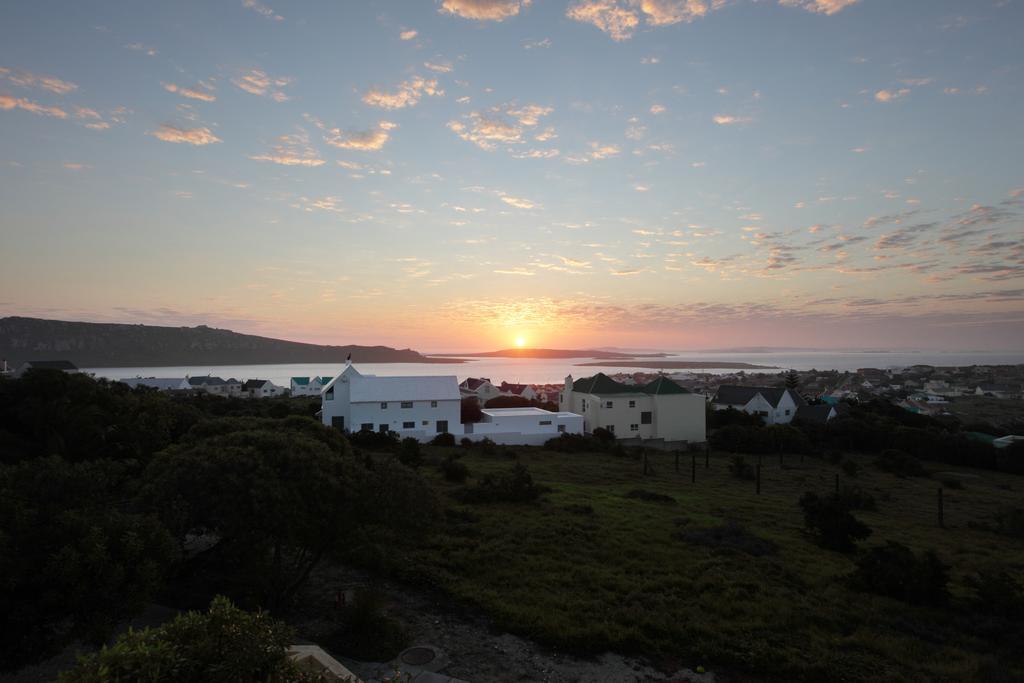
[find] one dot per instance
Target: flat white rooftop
(519, 412)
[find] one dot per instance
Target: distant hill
(552, 353)
(109, 345)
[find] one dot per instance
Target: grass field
(588, 569)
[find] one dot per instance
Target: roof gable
(663, 386)
(601, 384)
(301, 381)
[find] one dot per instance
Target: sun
(520, 341)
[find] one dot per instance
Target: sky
(456, 175)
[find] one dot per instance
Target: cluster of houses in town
(250, 388)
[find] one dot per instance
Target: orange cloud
(408, 94)
(191, 93)
(192, 136)
(7, 103)
(484, 10)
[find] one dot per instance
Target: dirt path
(477, 652)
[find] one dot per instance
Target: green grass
(616, 579)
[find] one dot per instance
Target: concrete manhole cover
(418, 656)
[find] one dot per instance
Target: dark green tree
(792, 380)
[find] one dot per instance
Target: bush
(831, 523)
(445, 440)
(650, 496)
(740, 468)
(1010, 522)
(850, 468)
(374, 441)
(466, 442)
(855, 498)
(409, 452)
(731, 416)
(950, 483)
(486, 446)
(730, 536)
(454, 470)
(740, 439)
(366, 632)
(470, 410)
(574, 443)
(223, 644)
(899, 463)
(997, 592)
(604, 436)
(516, 487)
(893, 570)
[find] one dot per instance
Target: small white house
(158, 383)
(520, 390)
(480, 387)
(775, 405)
(261, 388)
(523, 426)
(420, 407)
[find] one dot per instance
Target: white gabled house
(481, 388)
(775, 405)
(261, 388)
(420, 407)
(520, 390)
(158, 383)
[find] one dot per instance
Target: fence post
(837, 483)
(759, 479)
(693, 468)
(942, 523)
(677, 461)
(645, 462)
(707, 456)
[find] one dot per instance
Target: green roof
(601, 384)
(300, 380)
(663, 386)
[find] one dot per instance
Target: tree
(829, 519)
(222, 644)
(792, 380)
(274, 496)
(74, 561)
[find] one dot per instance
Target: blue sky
(680, 173)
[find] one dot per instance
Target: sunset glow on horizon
(455, 174)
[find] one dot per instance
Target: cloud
(728, 120)
(607, 15)
(658, 109)
(192, 136)
(293, 150)
(75, 166)
(27, 79)
(256, 82)
(650, 60)
(603, 151)
(367, 141)
(530, 114)
(819, 6)
(488, 129)
(519, 202)
(407, 94)
(667, 12)
(890, 95)
(536, 44)
(139, 47)
(261, 9)
(408, 34)
(7, 103)
(439, 67)
(191, 93)
(484, 10)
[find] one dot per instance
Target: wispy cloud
(484, 10)
(819, 6)
(890, 95)
(503, 124)
(408, 34)
(407, 94)
(519, 202)
(292, 150)
(27, 79)
(7, 103)
(261, 9)
(201, 93)
(192, 136)
(257, 82)
(142, 47)
(729, 120)
(367, 140)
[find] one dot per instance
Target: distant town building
(520, 390)
(775, 405)
(62, 365)
(211, 385)
(659, 410)
(816, 414)
(480, 387)
(158, 383)
(997, 390)
(261, 388)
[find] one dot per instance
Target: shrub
(850, 468)
(445, 440)
(1010, 522)
(740, 468)
(899, 463)
(486, 446)
(951, 483)
(893, 570)
(409, 452)
(578, 509)
(855, 498)
(604, 436)
(222, 644)
(574, 443)
(997, 592)
(831, 523)
(454, 470)
(466, 442)
(366, 632)
(374, 441)
(740, 439)
(516, 487)
(650, 496)
(730, 536)
(470, 410)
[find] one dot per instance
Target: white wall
(423, 416)
(674, 417)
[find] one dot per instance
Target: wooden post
(707, 457)
(693, 468)
(942, 523)
(837, 483)
(645, 462)
(759, 479)
(781, 463)
(677, 461)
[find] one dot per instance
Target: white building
(481, 388)
(775, 405)
(420, 407)
(261, 388)
(520, 390)
(158, 383)
(524, 426)
(308, 386)
(660, 410)
(62, 365)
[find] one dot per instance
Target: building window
(442, 426)
(611, 428)
(545, 422)
(366, 427)
(584, 405)
(561, 428)
(634, 428)
(645, 418)
(409, 425)
(330, 394)
(433, 404)
(608, 404)
(383, 405)
(632, 404)
(426, 423)
(561, 398)
(407, 404)
(787, 412)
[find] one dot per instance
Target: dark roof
(303, 381)
(254, 383)
(732, 395)
(663, 386)
(52, 364)
(986, 386)
(203, 381)
(601, 384)
(513, 388)
(474, 383)
(814, 414)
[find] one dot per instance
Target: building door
(338, 422)
(442, 426)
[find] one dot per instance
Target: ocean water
(553, 371)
